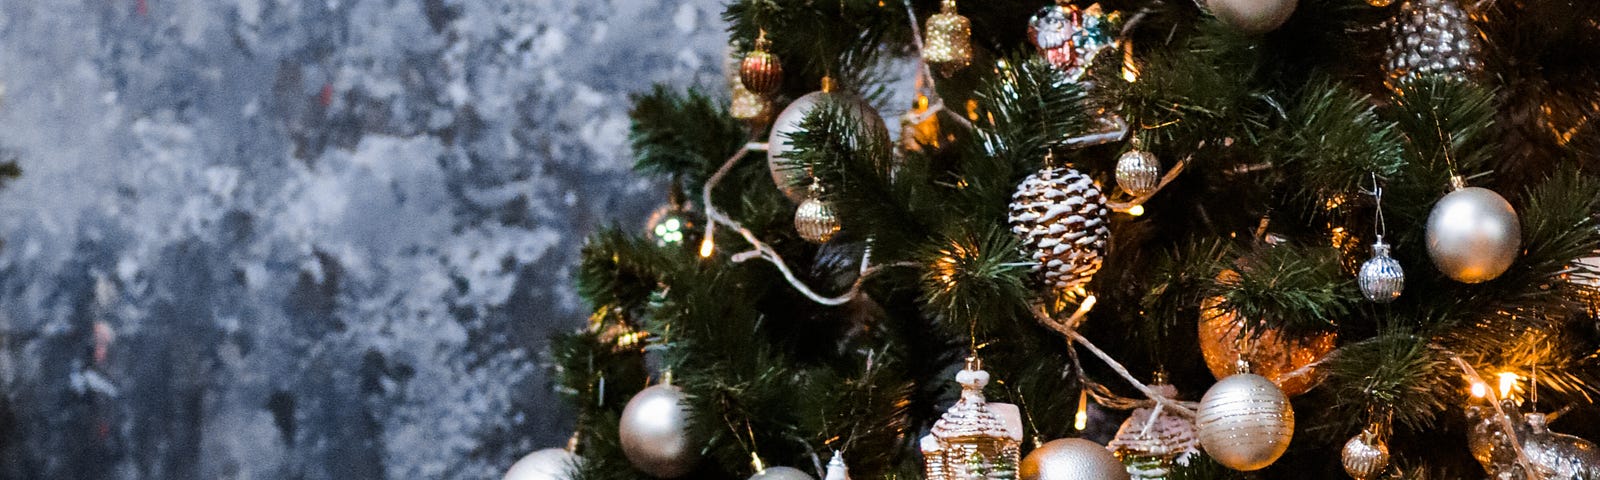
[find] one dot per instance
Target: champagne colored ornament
(1062, 219)
(974, 439)
(1551, 455)
(1138, 171)
(754, 110)
(1433, 37)
(790, 176)
(547, 464)
(1252, 16)
(654, 430)
(1365, 456)
(781, 473)
(1071, 37)
(1473, 234)
(948, 46)
(1245, 422)
(1151, 442)
(760, 71)
(1072, 459)
(1381, 277)
(1225, 344)
(815, 220)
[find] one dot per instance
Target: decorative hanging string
(1068, 329)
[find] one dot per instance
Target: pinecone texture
(1431, 37)
(1062, 218)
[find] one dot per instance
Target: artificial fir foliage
(1271, 146)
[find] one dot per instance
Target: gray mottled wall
(309, 239)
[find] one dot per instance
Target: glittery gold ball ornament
(1061, 216)
(1473, 235)
(948, 46)
(754, 110)
(816, 221)
(547, 464)
(654, 430)
(781, 473)
(1138, 172)
(1245, 422)
(1224, 343)
(1365, 456)
(1072, 459)
(789, 175)
(1252, 16)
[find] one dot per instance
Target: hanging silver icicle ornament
(1138, 171)
(1473, 234)
(815, 220)
(948, 46)
(1365, 456)
(1061, 216)
(1433, 37)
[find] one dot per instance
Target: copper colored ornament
(760, 71)
(949, 40)
(1268, 352)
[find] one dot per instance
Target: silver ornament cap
(547, 464)
(1138, 172)
(1473, 235)
(1252, 16)
(1245, 422)
(1365, 456)
(1072, 459)
(781, 473)
(1381, 277)
(655, 432)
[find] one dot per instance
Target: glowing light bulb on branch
(1508, 383)
(1479, 390)
(1081, 420)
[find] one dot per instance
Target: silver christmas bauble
(816, 221)
(1381, 277)
(547, 464)
(1072, 459)
(1252, 16)
(1138, 172)
(790, 176)
(1473, 235)
(1062, 218)
(1245, 422)
(655, 432)
(1365, 457)
(781, 473)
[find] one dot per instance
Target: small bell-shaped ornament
(949, 43)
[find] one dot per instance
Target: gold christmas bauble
(1269, 353)
(1245, 422)
(949, 40)
(760, 71)
(1365, 456)
(1072, 459)
(816, 221)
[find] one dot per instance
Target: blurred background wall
(309, 239)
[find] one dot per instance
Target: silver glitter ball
(655, 433)
(547, 464)
(1381, 277)
(1473, 235)
(1245, 422)
(1138, 172)
(781, 473)
(1072, 459)
(1365, 457)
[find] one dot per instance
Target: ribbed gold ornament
(1138, 171)
(1365, 456)
(760, 71)
(1245, 422)
(815, 220)
(948, 46)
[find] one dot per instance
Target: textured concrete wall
(309, 239)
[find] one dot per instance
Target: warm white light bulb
(1508, 381)
(1479, 389)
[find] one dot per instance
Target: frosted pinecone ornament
(1062, 218)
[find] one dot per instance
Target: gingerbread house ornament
(975, 439)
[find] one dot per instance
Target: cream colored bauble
(1072, 459)
(1252, 16)
(547, 464)
(1245, 422)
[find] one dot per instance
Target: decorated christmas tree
(1133, 239)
